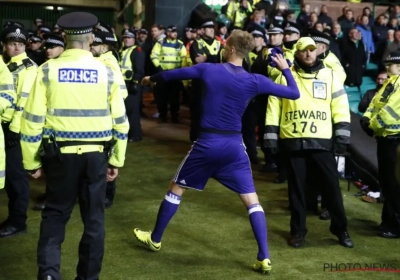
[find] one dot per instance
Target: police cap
(257, 32)
(188, 29)
(274, 29)
(37, 20)
(35, 39)
(44, 29)
(53, 40)
(208, 24)
(14, 33)
(394, 58)
(319, 37)
(77, 23)
(11, 23)
(104, 27)
(172, 28)
(104, 38)
(292, 27)
(128, 34)
(143, 31)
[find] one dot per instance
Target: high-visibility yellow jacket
(320, 116)
(132, 64)
(331, 61)
(240, 17)
(169, 54)
(384, 109)
(24, 72)
(7, 97)
(109, 59)
(74, 98)
(274, 73)
(231, 10)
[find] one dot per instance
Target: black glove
(364, 121)
(339, 149)
(12, 138)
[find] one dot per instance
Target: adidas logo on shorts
(182, 182)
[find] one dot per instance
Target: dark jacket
(324, 18)
(354, 59)
(39, 56)
(366, 100)
(379, 32)
(303, 19)
(346, 25)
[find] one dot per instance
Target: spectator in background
(381, 46)
(380, 29)
(319, 26)
(304, 16)
(337, 31)
(277, 16)
(343, 16)
(394, 23)
(348, 22)
(395, 45)
(313, 20)
(324, 18)
(222, 33)
(367, 98)
(368, 13)
(366, 35)
(353, 58)
(290, 16)
(333, 46)
(256, 21)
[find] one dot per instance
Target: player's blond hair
(242, 41)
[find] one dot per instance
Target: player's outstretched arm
(266, 86)
(187, 73)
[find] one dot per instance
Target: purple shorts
(222, 157)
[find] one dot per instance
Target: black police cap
(104, 38)
(172, 28)
(257, 32)
(44, 29)
(292, 27)
(104, 27)
(394, 57)
(11, 23)
(143, 31)
(14, 33)
(319, 37)
(35, 39)
(77, 23)
(128, 34)
(53, 40)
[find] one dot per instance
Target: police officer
(54, 45)
(104, 27)
(382, 120)
(310, 131)
(329, 58)
(204, 49)
(74, 110)
(132, 66)
(23, 70)
(242, 13)
(260, 66)
(169, 54)
(101, 48)
(35, 51)
(291, 34)
(7, 96)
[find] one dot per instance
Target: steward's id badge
(319, 90)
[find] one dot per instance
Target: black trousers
(110, 190)
(261, 102)
(387, 153)
(132, 105)
(16, 184)
(195, 110)
(319, 162)
(249, 123)
(76, 176)
(169, 96)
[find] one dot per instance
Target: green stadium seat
(354, 107)
(372, 66)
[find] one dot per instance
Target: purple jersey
(227, 90)
(219, 151)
